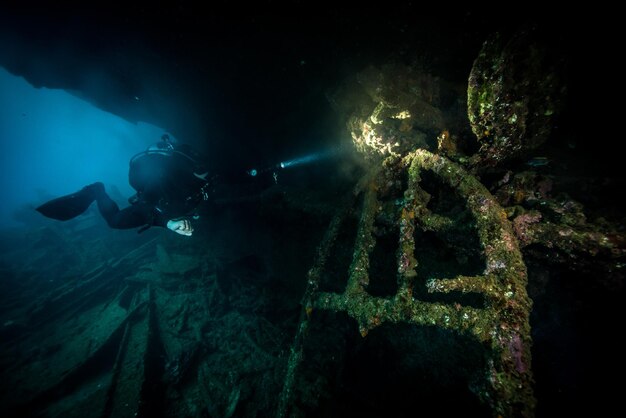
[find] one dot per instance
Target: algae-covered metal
(501, 324)
(513, 94)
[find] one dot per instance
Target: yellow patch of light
(369, 141)
(402, 115)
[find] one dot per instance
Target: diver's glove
(182, 226)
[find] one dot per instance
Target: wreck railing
(501, 325)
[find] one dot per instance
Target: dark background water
(255, 78)
(251, 85)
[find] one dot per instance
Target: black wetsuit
(166, 189)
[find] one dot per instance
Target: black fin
(69, 206)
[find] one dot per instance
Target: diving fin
(70, 206)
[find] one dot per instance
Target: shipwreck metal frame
(501, 325)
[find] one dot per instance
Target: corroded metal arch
(502, 324)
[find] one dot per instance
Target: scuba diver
(170, 180)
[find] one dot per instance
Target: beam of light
(308, 158)
(305, 159)
(53, 143)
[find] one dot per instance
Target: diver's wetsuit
(166, 189)
(136, 215)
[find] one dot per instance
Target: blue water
(54, 143)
